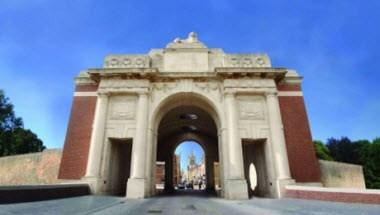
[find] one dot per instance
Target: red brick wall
(349, 197)
(86, 88)
(76, 148)
(160, 173)
(303, 162)
(289, 87)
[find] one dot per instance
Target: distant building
(195, 172)
(160, 174)
(177, 177)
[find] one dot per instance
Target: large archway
(187, 119)
(132, 105)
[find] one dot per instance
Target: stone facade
(141, 99)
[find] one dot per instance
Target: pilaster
(137, 182)
(96, 144)
(280, 155)
(237, 185)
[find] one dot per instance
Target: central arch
(181, 117)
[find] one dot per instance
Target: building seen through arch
(129, 116)
(195, 172)
(189, 170)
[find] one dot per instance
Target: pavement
(183, 203)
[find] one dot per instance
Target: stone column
(280, 154)
(223, 160)
(153, 166)
(237, 185)
(169, 173)
(96, 143)
(149, 164)
(210, 176)
(136, 183)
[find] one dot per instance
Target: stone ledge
(30, 193)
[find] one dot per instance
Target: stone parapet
(338, 174)
(30, 193)
(32, 168)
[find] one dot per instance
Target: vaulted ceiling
(184, 119)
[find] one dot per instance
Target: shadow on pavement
(192, 193)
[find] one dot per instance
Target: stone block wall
(33, 168)
(337, 174)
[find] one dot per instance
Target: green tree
(370, 159)
(322, 151)
(344, 150)
(14, 139)
(362, 152)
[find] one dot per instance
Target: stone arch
(180, 99)
(206, 148)
(176, 99)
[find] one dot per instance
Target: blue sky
(185, 149)
(334, 44)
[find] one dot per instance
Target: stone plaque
(251, 109)
(122, 108)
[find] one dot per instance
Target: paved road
(185, 203)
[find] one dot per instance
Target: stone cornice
(83, 79)
(269, 72)
(131, 73)
(277, 74)
(292, 77)
(131, 91)
(118, 71)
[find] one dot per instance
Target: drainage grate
(154, 211)
(189, 207)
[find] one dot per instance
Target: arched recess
(168, 130)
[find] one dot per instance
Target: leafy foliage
(322, 151)
(370, 159)
(343, 150)
(14, 139)
(362, 152)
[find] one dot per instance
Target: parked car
(180, 186)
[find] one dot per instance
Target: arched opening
(186, 122)
(189, 166)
